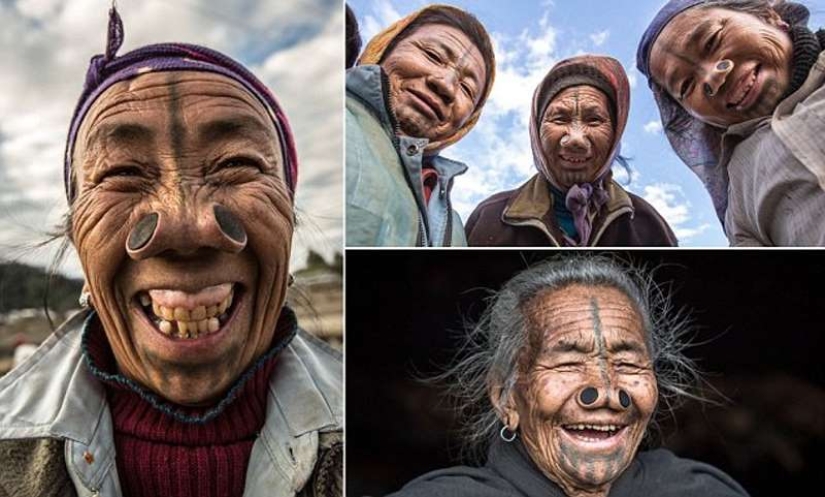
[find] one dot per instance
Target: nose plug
(143, 231)
(229, 224)
(590, 395)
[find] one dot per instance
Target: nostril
(143, 231)
(230, 225)
(624, 399)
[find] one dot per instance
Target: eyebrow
(626, 346)
(563, 346)
(229, 128)
(123, 133)
(699, 32)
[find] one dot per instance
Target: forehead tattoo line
(177, 130)
(600, 344)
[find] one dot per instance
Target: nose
(715, 78)
(184, 229)
(575, 140)
(591, 397)
(444, 84)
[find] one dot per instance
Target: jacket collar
(532, 205)
(367, 84)
(304, 399)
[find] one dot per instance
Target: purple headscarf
(696, 143)
(107, 69)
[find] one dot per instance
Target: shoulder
(34, 467)
(458, 481)
(323, 365)
(492, 206)
(646, 216)
(663, 473)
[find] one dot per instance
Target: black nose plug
(589, 395)
(229, 223)
(624, 399)
(143, 231)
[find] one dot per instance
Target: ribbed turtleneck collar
(807, 46)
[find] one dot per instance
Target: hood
(697, 144)
(601, 71)
(374, 52)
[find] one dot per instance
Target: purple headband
(108, 69)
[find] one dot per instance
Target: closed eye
(712, 41)
(686, 88)
(238, 162)
(122, 171)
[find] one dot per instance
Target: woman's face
(724, 67)
(583, 405)
(183, 223)
(576, 134)
(437, 78)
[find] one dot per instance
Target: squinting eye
(122, 172)
(433, 55)
(685, 89)
(238, 162)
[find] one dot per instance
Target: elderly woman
(419, 87)
(739, 84)
(187, 375)
(566, 369)
(578, 115)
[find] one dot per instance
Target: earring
(85, 300)
(504, 434)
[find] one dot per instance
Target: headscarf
(698, 144)
(107, 69)
(374, 52)
(606, 74)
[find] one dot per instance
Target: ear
(505, 406)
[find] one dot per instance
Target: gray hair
(498, 348)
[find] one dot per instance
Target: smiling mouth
(429, 103)
(575, 160)
(593, 433)
(184, 315)
(743, 89)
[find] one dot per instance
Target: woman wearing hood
(739, 85)
(579, 113)
(418, 88)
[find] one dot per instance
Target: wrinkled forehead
(680, 35)
(580, 95)
(451, 38)
(153, 100)
(578, 310)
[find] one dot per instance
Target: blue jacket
(385, 198)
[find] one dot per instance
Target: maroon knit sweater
(161, 451)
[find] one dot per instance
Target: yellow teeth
(185, 323)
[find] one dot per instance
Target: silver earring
(504, 431)
(85, 300)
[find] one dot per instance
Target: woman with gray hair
(566, 369)
(739, 84)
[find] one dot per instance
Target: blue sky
(530, 36)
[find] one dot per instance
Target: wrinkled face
(576, 134)
(583, 405)
(724, 67)
(183, 224)
(437, 77)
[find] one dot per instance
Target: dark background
(760, 318)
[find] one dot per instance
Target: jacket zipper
(422, 240)
(448, 232)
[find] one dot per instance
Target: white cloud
(653, 127)
(45, 46)
(599, 38)
(382, 15)
(670, 201)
